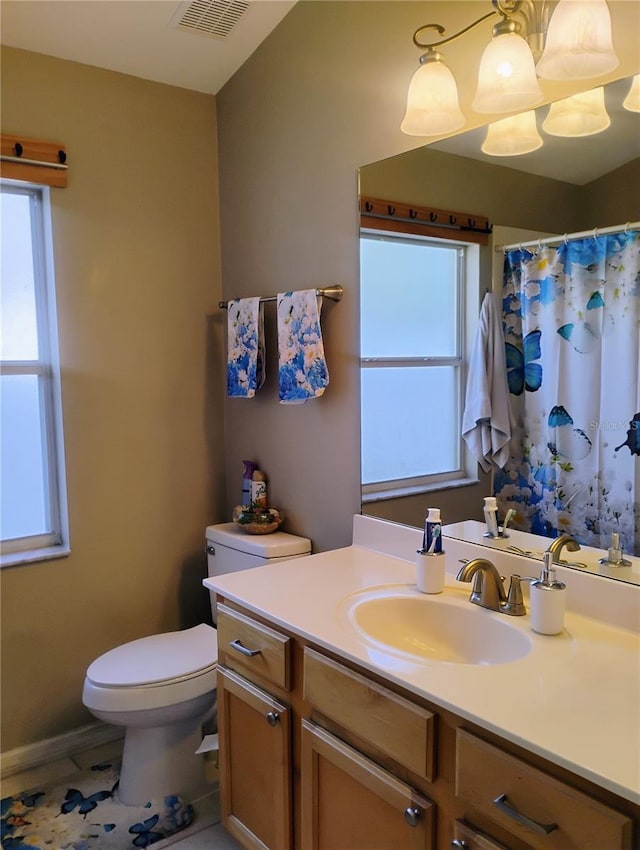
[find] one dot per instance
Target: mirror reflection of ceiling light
(582, 114)
(577, 43)
(513, 136)
(632, 100)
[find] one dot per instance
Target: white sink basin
(436, 628)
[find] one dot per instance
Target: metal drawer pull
(412, 815)
(456, 844)
(235, 644)
(272, 718)
(505, 808)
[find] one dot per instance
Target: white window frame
(55, 543)
(468, 274)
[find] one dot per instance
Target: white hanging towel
(486, 424)
(302, 368)
(245, 347)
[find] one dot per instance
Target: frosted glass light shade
(632, 100)
(582, 114)
(578, 44)
(432, 102)
(507, 76)
(513, 136)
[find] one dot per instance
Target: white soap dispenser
(547, 600)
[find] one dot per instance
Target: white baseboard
(51, 749)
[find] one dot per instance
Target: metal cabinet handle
(412, 815)
(210, 550)
(456, 844)
(541, 828)
(235, 644)
(272, 718)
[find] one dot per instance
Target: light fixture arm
(535, 24)
(433, 45)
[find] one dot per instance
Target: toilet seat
(157, 659)
(153, 672)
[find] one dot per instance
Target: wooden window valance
(33, 161)
(378, 214)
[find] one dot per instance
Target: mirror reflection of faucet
(615, 555)
(565, 541)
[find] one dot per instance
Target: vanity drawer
(253, 649)
(465, 837)
(398, 728)
(537, 808)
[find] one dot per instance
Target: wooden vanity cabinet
(254, 726)
(354, 763)
(348, 801)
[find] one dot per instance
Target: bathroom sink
(437, 629)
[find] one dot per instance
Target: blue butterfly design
(566, 441)
(522, 373)
(633, 436)
(584, 336)
(74, 798)
(144, 836)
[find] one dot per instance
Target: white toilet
(162, 687)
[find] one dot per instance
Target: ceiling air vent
(215, 18)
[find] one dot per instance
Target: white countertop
(574, 699)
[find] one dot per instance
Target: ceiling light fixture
(582, 114)
(578, 45)
(513, 136)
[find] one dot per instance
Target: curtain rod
(334, 293)
(549, 240)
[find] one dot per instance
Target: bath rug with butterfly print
(83, 813)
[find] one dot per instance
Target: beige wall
(137, 272)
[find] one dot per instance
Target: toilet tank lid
(157, 658)
(279, 544)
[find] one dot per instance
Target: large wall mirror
(567, 186)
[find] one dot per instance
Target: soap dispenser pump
(547, 600)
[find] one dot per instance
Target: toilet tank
(230, 549)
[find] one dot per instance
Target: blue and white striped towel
(245, 347)
(302, 368)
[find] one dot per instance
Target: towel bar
(334, 293)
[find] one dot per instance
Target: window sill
(385, 495)
(32, 556)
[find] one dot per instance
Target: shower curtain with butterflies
(571, 319)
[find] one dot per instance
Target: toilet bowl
(161, 689)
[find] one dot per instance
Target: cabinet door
(350, 803)
(255, 764)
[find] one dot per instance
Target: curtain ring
(626, 228)
(539, 245)
(521, 248)
(566, 241)
(595, 232)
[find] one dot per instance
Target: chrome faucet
(488, 588)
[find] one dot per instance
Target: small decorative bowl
(257, 520)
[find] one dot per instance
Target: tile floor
(205, 833)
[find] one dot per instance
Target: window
(33, 520)
(413, 303)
